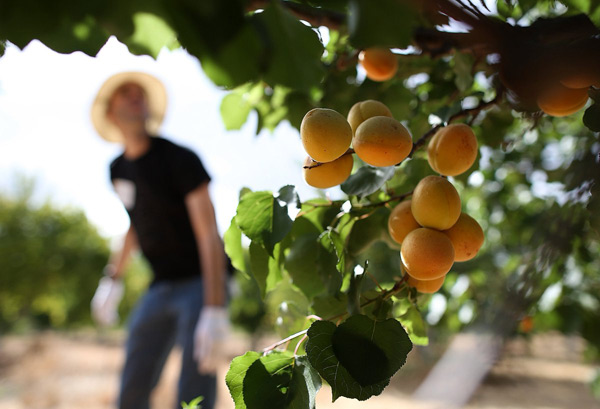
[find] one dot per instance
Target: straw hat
(157, 103)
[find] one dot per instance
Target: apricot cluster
(369, 129)
(433, 233)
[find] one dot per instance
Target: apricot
(427, 254)
(562, 101)
(435, 203)
(426, 286)
(401, 221)
(581, 80)
(326, 134)
(380, 63)
(366, 109)
(452, 150)
(327, 174)
(466, 236)
(382, 141)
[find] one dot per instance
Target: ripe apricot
(366, 109)
(325, 134)
(380, 63)
(452, 150)
(435, 203)
(427, 254)
(401, 221)
(382, 141)
(581, 80)
(466, 236)
(562, 101)
(426, 286)
(328, 174)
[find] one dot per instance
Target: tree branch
(315, 16)
(460, 114)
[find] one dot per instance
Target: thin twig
(460, 114)
(423, 139)
(284, 341)
(304, 338)
(384, 202)
(296, 335)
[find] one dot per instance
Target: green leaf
(333, 242)
(310, 266)
(267, 380)
(265, 269)
(304, 386)
(290, 308)
(238, 61)
(289, 196)
(319, 212)
(293, 50)
(262, 218)
(354, 292)
(367, 230)
(151, 34)
(236, 375)
(591, 118)
(255, 215)
(193, 404)
(2, 47)
(234, 110)
(367, 180)
(277, 380)
(233, 247)
(385, 23)
(463, 65)
(413, 321)
(330, 305)
(358, 357)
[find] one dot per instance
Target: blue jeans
(166, 314)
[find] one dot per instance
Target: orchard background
(330, 264)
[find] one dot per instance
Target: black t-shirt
(152, 188)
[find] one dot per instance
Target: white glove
(212, 328)
(105, 302)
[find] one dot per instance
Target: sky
(46, 132)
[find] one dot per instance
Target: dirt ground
(80, 370)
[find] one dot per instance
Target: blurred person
(164, 188)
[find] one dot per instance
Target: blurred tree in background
(50, 262)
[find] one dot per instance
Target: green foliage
(51, 262)
(376, 24)
(193, 404)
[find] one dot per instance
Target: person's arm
(204, 225)
(118, 260)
